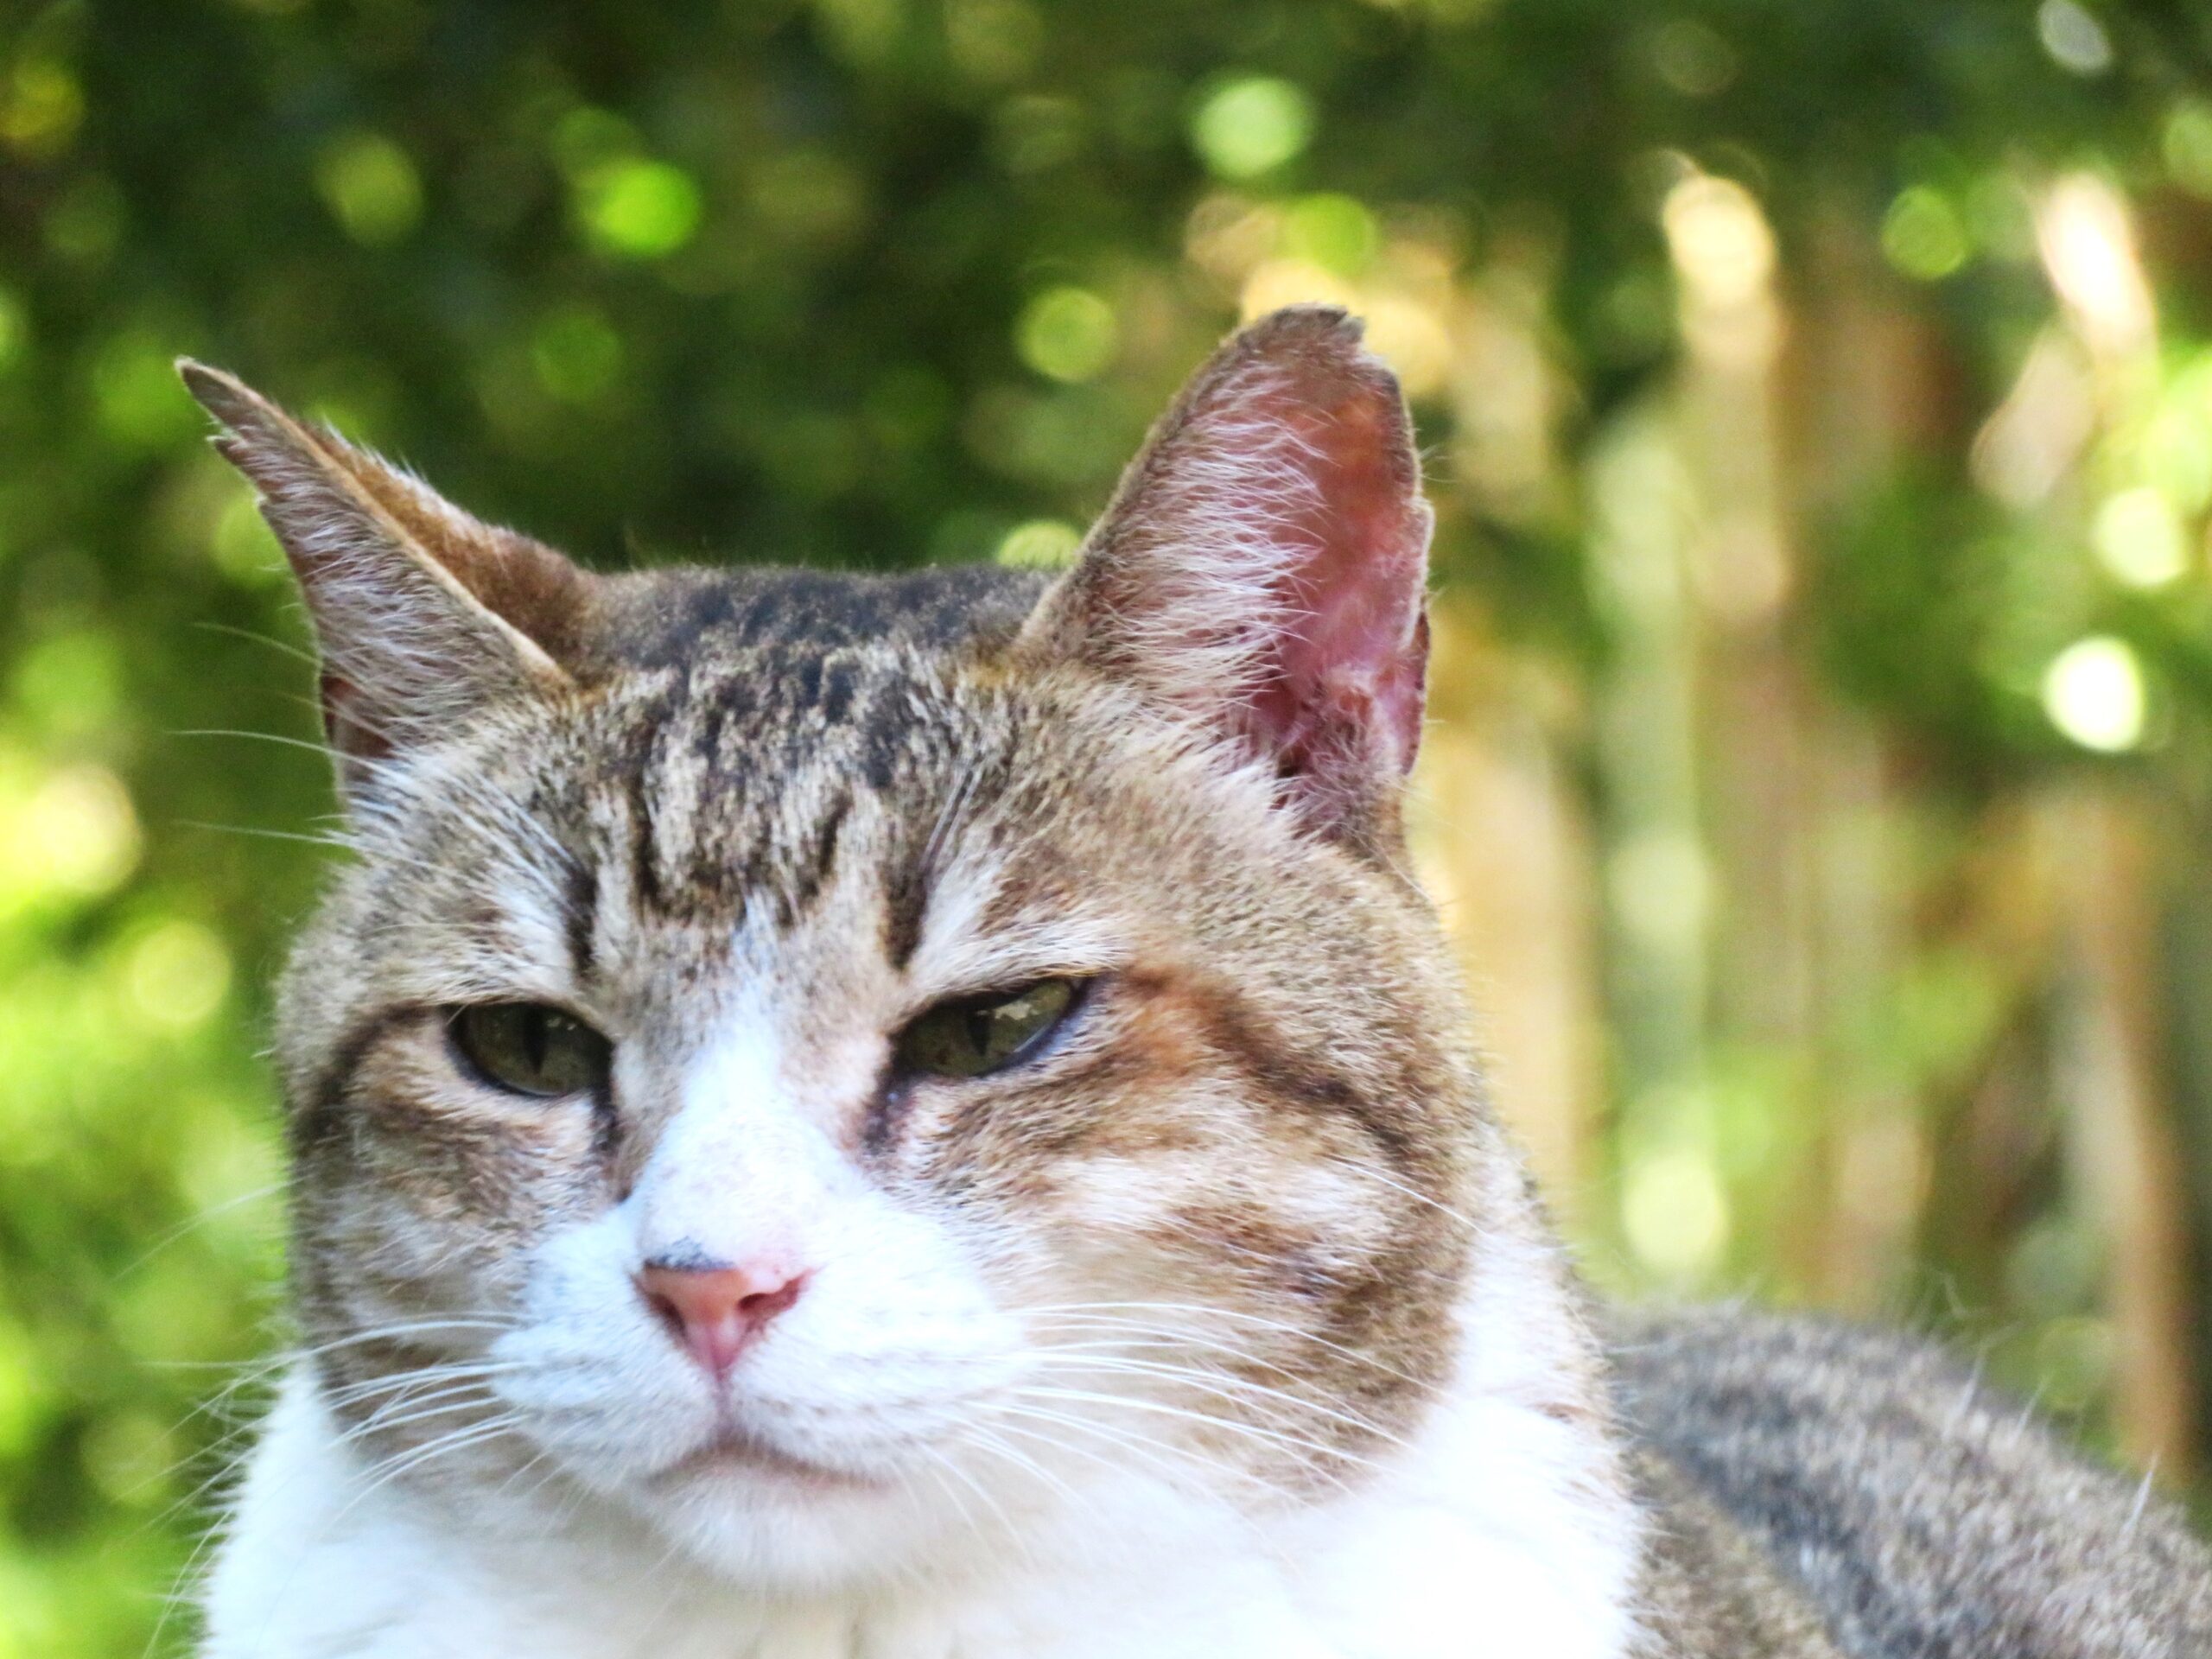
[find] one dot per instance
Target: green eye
(529, 1048)
(976, 1034)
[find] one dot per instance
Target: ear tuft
(423, 612)
(1261, 570)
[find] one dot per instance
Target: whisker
(460, 1439)
(1362, 1172)
(186, 1229)
(1231, 1389)
(422, 1375)
(1103, 1310)
(294, 651)
(406, 1328)
(425, 1412)
(1275, 1440)
(1155, 1455)
(1006, 1522)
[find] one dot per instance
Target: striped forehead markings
(716, 761)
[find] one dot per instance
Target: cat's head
(834, 1066)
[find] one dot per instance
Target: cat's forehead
(694, 619)
(789, 774)
(745, 778)
(736, 728)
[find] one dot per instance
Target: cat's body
(925, 1117)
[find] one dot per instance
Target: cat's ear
(1262, 568)
(423, 614)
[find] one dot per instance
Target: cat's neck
(1506, 1512)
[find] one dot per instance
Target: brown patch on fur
(318, 1111)
(1273, 1062)
(1250, 1240)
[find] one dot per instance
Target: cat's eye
(973, 1035)
(529, 1048)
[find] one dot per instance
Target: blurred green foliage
(868, 282)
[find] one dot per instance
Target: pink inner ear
(1342, 701)
(1261, 570)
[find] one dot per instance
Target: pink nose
(715, 1311)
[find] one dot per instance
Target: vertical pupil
(536, 1035)
(980, 1021)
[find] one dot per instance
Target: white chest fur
(1498, 1537)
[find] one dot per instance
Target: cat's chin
(764, 1519)
(751, 1462)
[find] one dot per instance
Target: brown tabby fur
(1271, 1106)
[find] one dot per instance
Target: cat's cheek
(417, 1190)
(486, 1191)
(588, 1364)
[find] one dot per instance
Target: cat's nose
(717, 1311)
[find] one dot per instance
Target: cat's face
(837, 1070)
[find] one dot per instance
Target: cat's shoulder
(1925, 1510)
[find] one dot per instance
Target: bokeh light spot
(1252, 126)
(76, 834)
(1923, 236)
(1293, 282)
(2137, 538)
(71, 683)
(993, 40)
(1335, 232)
(1040, 544)
(577, 355)
(639, 209)
(1674, 1213)
(2093, 693)
(2188, 147)
(1068, 333)
(1692, 58)
(41, 106)
(137, 393)
(370, 188)
(2073, 36)
(126, 1455)
(1412, 340)
(2087, 237)
(1720, 241)
(178, 975)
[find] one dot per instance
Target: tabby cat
(925, 1115)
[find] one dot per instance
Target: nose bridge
(738, 1169)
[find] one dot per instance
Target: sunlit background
(1818, 399)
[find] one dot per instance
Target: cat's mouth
(733, 1452)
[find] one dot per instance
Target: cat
(925, 1115)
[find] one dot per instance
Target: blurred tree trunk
(1505, 849)
(1859, 388)
(2111, 1069)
